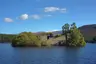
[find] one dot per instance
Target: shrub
(26, 39)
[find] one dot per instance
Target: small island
(70, 36)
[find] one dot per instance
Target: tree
(73, 26)
(73, 35)
(26, 39)
(76, 38)
(65, 30)
(6, 37)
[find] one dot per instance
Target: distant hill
(57, 32)
(54, 32)
(88, 31)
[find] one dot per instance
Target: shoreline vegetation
(71, 36)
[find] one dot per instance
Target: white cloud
(35, 16)
(24, 16)
(51, 9)
(52, 30)
(54, 9)
(8, 20)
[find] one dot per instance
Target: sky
(44, 15)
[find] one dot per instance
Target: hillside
(88, 31)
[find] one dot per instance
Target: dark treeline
(92, 40)
(5, 38)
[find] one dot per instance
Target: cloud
(52, 30)
(24, 16)
(35, 16)
(51, 9)
(8, 20)
(54, 9)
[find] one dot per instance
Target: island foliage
(26, 39)
(70, 36)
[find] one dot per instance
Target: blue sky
(44, 15)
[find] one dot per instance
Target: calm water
(54, 55)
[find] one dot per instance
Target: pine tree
(76, 38)
(73, 35)
(65, 30)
